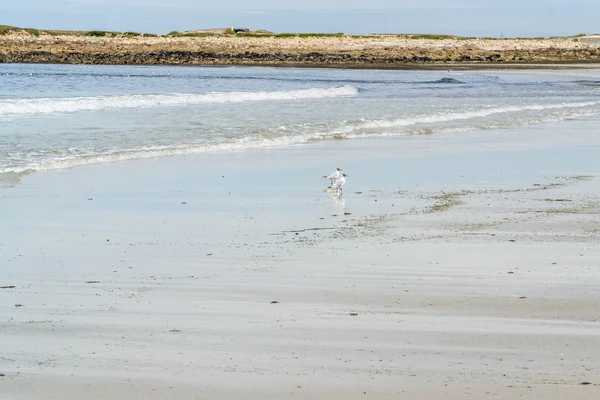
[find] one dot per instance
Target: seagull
(339, 182)
(332, 177)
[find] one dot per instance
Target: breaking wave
(281, 137)
(467, 115)
(13, 107)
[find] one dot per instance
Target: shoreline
(161, 278)
(14, 178)
(556, 66)
(373, 52)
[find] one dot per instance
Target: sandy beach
(455, 266)
(366, 51)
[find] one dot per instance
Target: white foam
(73, 157)
(109, 156)
(484, 125)
(456, 116)
(13, 107)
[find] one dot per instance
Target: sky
(495, 18)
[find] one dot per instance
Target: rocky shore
(374, 51)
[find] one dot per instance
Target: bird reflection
(339, 200)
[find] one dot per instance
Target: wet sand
(455, 266)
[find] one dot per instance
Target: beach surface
(310, 50)
(461, 265)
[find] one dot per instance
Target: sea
(67, 116)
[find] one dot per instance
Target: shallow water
(54, 116)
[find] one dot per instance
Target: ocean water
(62, 116)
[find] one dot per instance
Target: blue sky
(460, 17)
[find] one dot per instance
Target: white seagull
(339, 182)
(332, 177)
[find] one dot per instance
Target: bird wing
(339, 181)
(332, 176)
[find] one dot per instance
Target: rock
(234, 50)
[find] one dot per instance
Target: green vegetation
(286, 35)
(306, 35)
(260, 33)
(4, 29)
(192, 34)
(432, 37)
(33, 32)
(255, 34)
(197, 34)
(136, 34)
(62, 33)
(96, 33)
(365, 36)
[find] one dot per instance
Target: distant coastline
(261, 48)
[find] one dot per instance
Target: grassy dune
(8, 29)
(261, 47)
